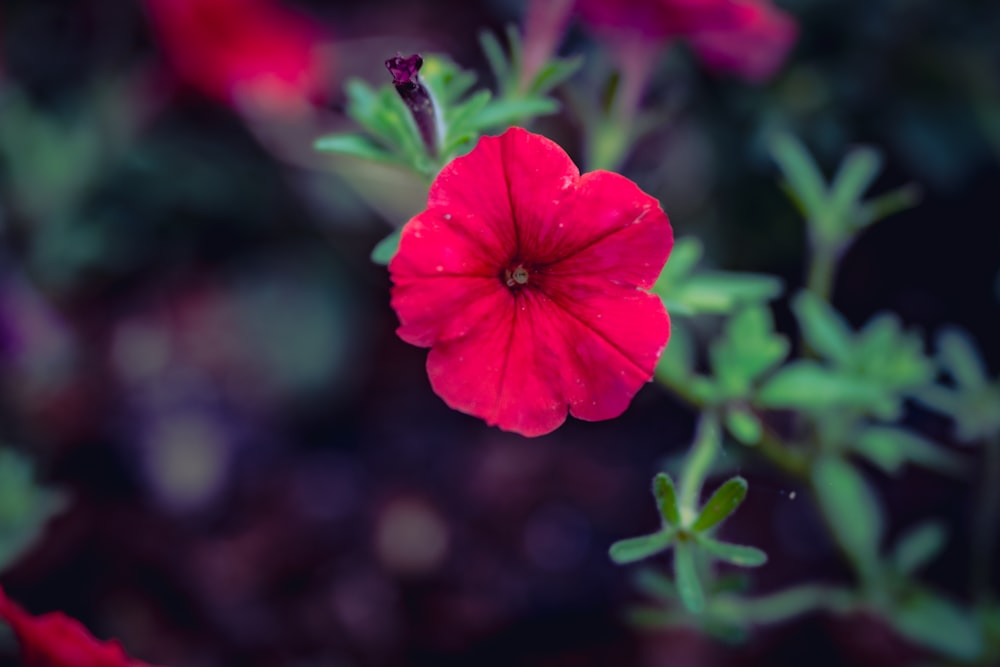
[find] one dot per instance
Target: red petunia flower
(528, 282)
(55, 640)
(244, 51)
(750, 38)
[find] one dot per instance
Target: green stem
(822, 269)
(770, 446)
(698, 463)
(985, 524)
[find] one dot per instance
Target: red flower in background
(748, 37)
(244, 51)
(55, 640)
(528, 282)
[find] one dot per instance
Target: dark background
(196, 348)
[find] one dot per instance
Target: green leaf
(918, 547)
(354, 145)
(496, 57)
(892, 448)
(734, 554)
(683, 258)
(677, 361)
(722, 291)
(801, 173)
(553, 73)
(654, 584)
(637, 548)
(386, 249)
(890, 203)
(808, 386)
(961, 358)
(857, 172)
(748, 349)
(852, 510)
(822, 327)
(744, 425)
(930, 620)
(723, 502)
(666, 499)
(25, 506)
(502, 113)
(686, 573)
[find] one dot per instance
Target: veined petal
(505, 371)
(610, 234)
(610, 346)
(433, 310)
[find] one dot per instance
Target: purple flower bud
(416, 96)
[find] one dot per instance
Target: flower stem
(822, 270)
(698, 463)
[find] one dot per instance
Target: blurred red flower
(241, 52)
(748, 37)
(528, 282)
(55, 640)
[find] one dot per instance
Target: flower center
(516, 276)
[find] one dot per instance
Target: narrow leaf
(686, 573)
(734, 554)
(918, 547)
(744, 425)
(960, 356)
(666, 499)
(808, 386)
(937, 623)
(856, 174)
(823, 327)
(851, 508)
(723, 502)
(801, 173)
(355, 145)
(637, 548)
(503, 113)
(890, 203)
(496, 57)
(683, 257)
(891, 448)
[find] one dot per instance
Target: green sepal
(386, 249)
(666, 499)
(689, 586)
(721, 504)
(734, 554)
(635, 549)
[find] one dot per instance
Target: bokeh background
(245, 466)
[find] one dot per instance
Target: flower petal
(610, 346)
(610, 234)
(505, 370)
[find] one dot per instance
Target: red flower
(55, 640)
(243, 51)
(748, 37)
(527, 281)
